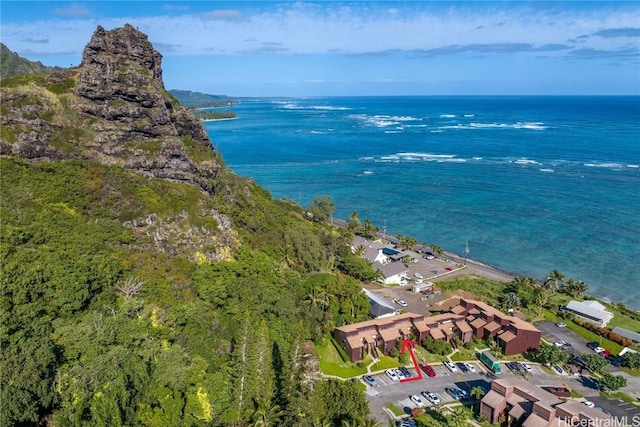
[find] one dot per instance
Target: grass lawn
(623, 321)
(422, 354)
(331, 363)
(385, 362)
(393, 408)
(632, 372)
(464, 354)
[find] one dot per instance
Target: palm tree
(360, 250)
(477, 392)
(540, 298)
(555, 280)
(267, 415)
(575, 288)
(369, 231)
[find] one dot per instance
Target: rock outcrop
(113, 108)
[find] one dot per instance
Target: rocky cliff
(112, 108)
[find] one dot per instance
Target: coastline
(218, 120)
(475, 267)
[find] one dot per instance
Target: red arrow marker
(408, 344)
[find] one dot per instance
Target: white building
(590, 311)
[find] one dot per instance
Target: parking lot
(389, 391)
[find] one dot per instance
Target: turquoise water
(533, 183)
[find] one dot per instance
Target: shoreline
(218, 120)
(479, 268)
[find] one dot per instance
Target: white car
(416, 399)
(418, 281)
(431, 397)
(560, 343)
(392, 374)
(402, 303)
(525, 366)
(450, 366)
(589, 404)
(469, 367)
(418, 275)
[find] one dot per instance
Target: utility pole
(384, 229)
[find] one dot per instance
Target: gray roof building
(625, 333)
(590, 311)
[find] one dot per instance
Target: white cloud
(303, 28)
(74, 9)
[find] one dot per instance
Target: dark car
(463, 367)
(428, 370)
(616, 360)
(405, 372)
(512, 366)
(593, 345)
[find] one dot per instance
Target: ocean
(532, 183)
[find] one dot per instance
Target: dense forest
(143, 282)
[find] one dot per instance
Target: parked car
(402, 303)
(418, 281)
(616, 360)
(561, 325)
(417, 400)
(593, 345)
(391, 373)
(589, 403)
(428, 370)
(427, 256)
(525, 367)
(469, 367)
(559, 370)
(405, 372)
(559, 343)
(431, 397)
(450, 366)
(512, 366)
(370, 380)
(418, 275)
(454, 392)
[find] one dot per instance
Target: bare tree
(130, 287)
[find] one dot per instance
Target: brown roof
(491, 311)
(355, 341)
(442, 318)
(458, 309)
(389, 334)
(492, 327)
(463, 326)
(377, 322)
(474, 311)
(478, 323)
(436, 333)
(507, 336)
(534, 420)
(493, 399)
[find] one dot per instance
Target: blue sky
(271, 48)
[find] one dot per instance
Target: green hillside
(144, 283)
(11, 64)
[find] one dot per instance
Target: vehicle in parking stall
(403, 281)
(429, 256)
(418, 281)
(406, 423)
(559, 343)
(616, 360)
(416, 400)
(450, 366)
(370, 380)
(431, 397)
(593, 345)
(391, 373)
(525, 367)
(589, 404)
(490, 361)
(456, 393)
(418, 275)
(401, 303)
(561, 325)
(468, 367)
(405, 372)
(512, 366)
(428, 370)
(559, 370)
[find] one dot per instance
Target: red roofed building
(467, 319)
